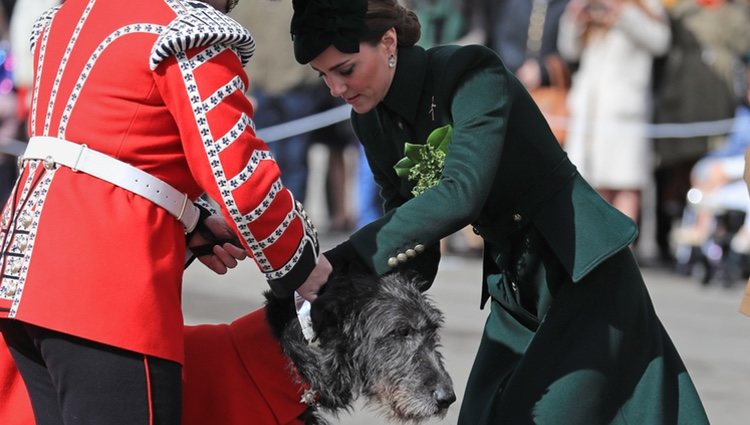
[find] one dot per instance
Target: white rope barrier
(654, 131)
(342, 113)
(306, 124)
(12, 147)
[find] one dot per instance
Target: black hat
(317, 24)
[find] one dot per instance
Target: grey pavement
(713, 339)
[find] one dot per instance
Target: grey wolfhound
(376, 337)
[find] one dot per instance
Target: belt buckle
(49, 163)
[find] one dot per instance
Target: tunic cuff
(285, 286)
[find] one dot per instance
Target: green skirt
(599, 355)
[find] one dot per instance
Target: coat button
(419, 248)
(26, 221)
(475, 230)
(411, 253)
(517, 217)
(393, 262)
(402, 258)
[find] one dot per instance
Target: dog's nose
(444, 396)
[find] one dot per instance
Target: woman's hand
(317, 278)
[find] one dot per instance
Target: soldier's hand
(217, 247)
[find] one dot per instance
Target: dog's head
(377, 337)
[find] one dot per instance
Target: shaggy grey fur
(375, 337)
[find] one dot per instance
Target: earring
(391, 61)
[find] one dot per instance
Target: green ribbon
(423, 164)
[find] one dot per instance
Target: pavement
(712, 337)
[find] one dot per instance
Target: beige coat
(610, 96)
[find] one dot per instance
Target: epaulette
(40, 24)
(201, 25)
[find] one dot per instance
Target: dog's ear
(342, 296)
(410, 277)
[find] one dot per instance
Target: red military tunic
(234, 374)
(158, 84)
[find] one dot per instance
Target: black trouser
(76, 381)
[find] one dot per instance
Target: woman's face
(362, 79)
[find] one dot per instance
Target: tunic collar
(404, 95)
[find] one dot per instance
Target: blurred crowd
(650, 98)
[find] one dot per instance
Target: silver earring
(391, 61)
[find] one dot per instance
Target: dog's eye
(402, 332)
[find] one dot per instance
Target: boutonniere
(423, 164)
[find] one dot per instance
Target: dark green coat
(572, 337)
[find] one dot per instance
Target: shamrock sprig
(423, 164)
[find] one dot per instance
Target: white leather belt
(53, 151)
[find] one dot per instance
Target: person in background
(695, 82)
(339, 180)
(454, 139)
(137, 109)
(281, 91)
(8, 105)
(710, 174)
(524, 34)
(717, 199)
(610, 100)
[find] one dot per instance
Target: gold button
(419, 248)
(393, 262)
(11, 290)
(16, 267)
(26, 220)
(22, 245)
(411, 253)
(517, 217)
(402, 257)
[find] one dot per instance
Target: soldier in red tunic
(137, 108)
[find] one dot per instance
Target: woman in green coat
(454, 139)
